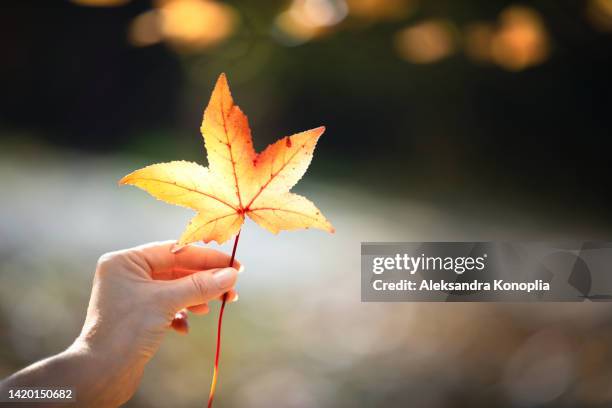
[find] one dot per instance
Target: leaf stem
(213, 384)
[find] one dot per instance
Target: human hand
(135, 297)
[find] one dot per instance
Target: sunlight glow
(599, 14)
(381, 9)
(521, 41)
(425, 42)
(100, 3)
(308, 19)
(196, 23)
(145, 29)
(518, 40)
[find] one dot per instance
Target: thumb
(200, 287)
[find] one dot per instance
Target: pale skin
(138, 295)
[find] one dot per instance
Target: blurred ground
(299, 336)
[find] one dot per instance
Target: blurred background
(446, 120)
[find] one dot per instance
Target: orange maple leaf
(238, 181)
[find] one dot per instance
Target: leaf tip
(222, 81)
(124, 180)
(328, 227)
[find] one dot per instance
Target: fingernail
(235, 298)
(241, 269)
(224, 278)
(176, 248)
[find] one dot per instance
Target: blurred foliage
(454, 97)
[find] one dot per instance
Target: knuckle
(104, 262)
(201, 285)
(107, 262)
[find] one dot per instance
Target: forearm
(96, 383)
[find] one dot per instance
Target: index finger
(165, 264)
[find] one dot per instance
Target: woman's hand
(137, 294)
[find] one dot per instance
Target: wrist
(103, 378)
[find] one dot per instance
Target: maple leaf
(238, 181)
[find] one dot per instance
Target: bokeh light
(192, 24)
(521, 41)
(381, 9)
(426, 42)
(599, 13)
(145, 29)
(518, 39)
(100, 3)
(308, 19)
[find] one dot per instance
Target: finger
(199, 309)
(203, 309)
(163, 264)
(180, 273)
(180, 323)
(232, 296)
(199, 287)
